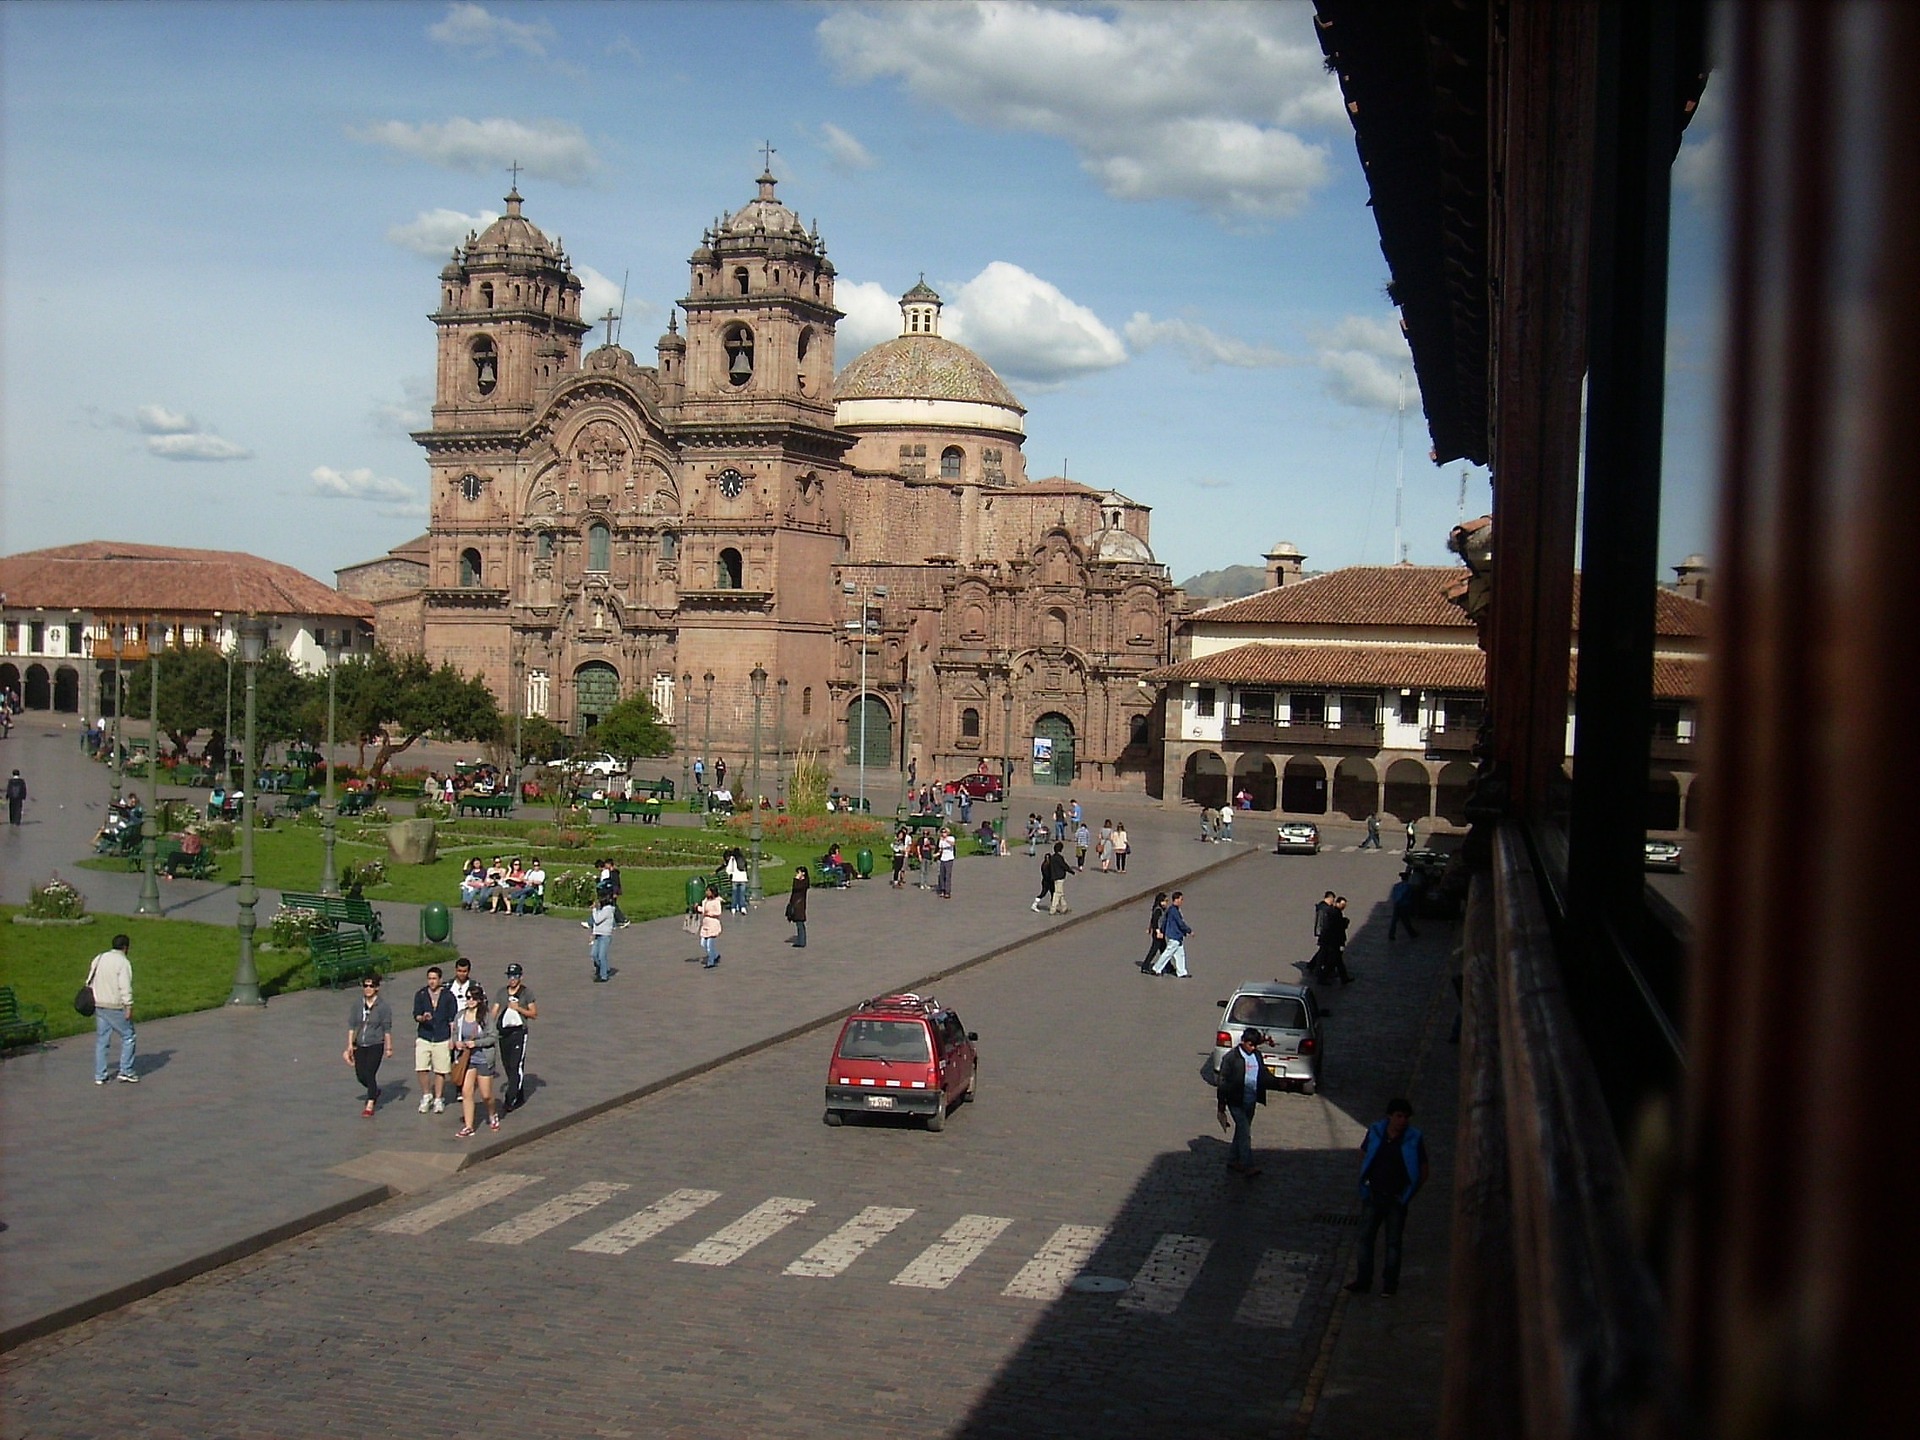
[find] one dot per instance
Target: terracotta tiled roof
(1056, 485)
(1359, 595)
(104, 575)
(1425, 667)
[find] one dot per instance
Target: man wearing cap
(369, 1040)
(517, 1011)
(1242, 1083)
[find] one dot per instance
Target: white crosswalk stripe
(452, 1207)
(759, 1224)
(1163, 1281)
(557, 1211)
(940, 1264)
(847, 1244)
(1272, 1298)
(1065, 1255)
(643, 1225)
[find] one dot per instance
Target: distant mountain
(1228, 584)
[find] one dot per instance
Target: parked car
(1294, 1050)
(601, 764)
(1663, 855)
(901, 1055)
(1297, 837)
(980, 787)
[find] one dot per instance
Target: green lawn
(178, 965)
(655, 863)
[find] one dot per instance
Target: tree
(193, 697)
(631, 729)
(541, 739)
(391, 701)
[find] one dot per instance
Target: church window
(1204, 700)
(740, 280)
(669, 545)
(1136, 729)
(738, 345)
(806, 700)
(726, 575)
(486, 295)
(599, 544)
(950, 463)
(470, 568)
(970, 724)
(486, 365)
(543, 545)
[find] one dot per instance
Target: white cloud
(411, 412)
(1203, 348)
(598, 295)
(1163, 102)
(1027, 329)
(845, 151)
(434, 233)
(361, 484)
(158, 420)
(176, 435)
(474, 30)
(547, 149)
(1363, 359)
(873, 315)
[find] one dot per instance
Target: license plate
(1276, 1066)
(879, 1102)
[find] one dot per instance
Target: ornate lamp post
(119, 704)
(706, 746)
(780, 746)
(759, 681)
(246, 981)
(867, 596)
(1006, 768)
(226, 735)
(686, 738)
(906, 733)
(331, 643)
(150, 826)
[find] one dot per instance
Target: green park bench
(339, 909)
(344, 955)
(124, 846)
(661, 789)
(294, 804)
(20, 1024)
(484, 804)
(202, 779)
(356, 802)
(923, 822)
(848, 804)
(174, 861)
(647, 811)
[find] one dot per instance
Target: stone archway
(37, 694)
(1057, 728)
(1408, 797)
(1356, 788)
(596, 690)
(1456, 778)
(66, 689)
(1204, 781)
(1255, 775)
(1663, 801)
(1303, 786)
(9, 677)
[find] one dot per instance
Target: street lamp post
(119, 704)
(226, 734)
(780, 746)
(246, 981)
(150, 826)
(906, 733)
(868, 593)
(759, 681)
(706, 746)
(1006, 768)
(686, 737)
(330, 642)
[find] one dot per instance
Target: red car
(901, 1055)
(980, 786)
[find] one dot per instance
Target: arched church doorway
(1303, 786)
(596, 690)
(875, 740)
(1204, 781)
(1057, 769)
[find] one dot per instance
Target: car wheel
(973, 1086)
(832, 1117)
(937, 1121)
(1307, 1087)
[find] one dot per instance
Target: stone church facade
(599, 526)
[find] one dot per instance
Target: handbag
(83, 1000)
(690, 923)
(457, 1076)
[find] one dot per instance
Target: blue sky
(220, 226)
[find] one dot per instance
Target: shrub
(572, 888)
(363, 874)
(57, 899)
(808, 785)
(216, 835)
(292, 927)
(432, 810)
(552, 837)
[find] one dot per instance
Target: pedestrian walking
(1393, 1167)
(720, 773)
(901, 841)
(1103, 846)
(369, 1040)
(1058, 904)
(1400, 900)
(1074, 817)
(1174, 926)
(1082, 841)
(1036, 832)
(948, 850)
(1242, 1083)
(1044, 900)
(1411, 837)
(462, 983)
(709, 911)
(516, 1015)
(16, 797)
(1059, 821)
(699, 773)
(599, 924)
(1331, 957)
(1206, 824)
(736, 872)
(1372, 842)
(966, 808)
(797, 898)
(433, 1017)
(110, 977)
(1121, 847)
(477, 1040)
(1156, 938)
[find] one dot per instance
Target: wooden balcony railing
(1459, 740)
(1272, 732)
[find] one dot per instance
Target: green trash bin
(696, 892)
(436, 925)
(863, 863)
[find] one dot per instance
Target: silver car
(1297, 837)
(1663, 855)
(1294, 1051)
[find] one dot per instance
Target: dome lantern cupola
(920, 310)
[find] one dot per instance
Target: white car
(1297, 837)
(604, 764)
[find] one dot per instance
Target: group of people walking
(464, 1041)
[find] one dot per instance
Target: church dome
(923, 367)
(514, 233)
(764, 215)
(1120, 547)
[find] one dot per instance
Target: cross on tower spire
(514, 170)
(767, 152)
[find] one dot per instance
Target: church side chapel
(870, 536)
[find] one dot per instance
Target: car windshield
(885, 1040)
(1269, 1012)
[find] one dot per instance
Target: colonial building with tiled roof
(1362, 691)
(74, 613)
(869, 537)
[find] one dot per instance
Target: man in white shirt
(517, 1012)
(462, 982)
(948, 850)
(111, 978)
(532, 885)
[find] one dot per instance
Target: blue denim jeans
(601, 944)
(1175, 955)
(1242, 1133)
(799, 934)
(1376, 1211)
(108, 1023)
(710, 950)
(739, 897)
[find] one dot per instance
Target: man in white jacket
(111, 976)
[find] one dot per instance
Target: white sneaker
(439, 1107)
(426, 1103)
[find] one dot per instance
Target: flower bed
(56, 899)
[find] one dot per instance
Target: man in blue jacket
(1393, 1167)
(1174, 926)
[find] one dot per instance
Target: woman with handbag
(709, 910)
(797, 907)
(476, 1043)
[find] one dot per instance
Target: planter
(50, 920)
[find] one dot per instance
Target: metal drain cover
(1099, 1284)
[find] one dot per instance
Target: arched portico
(1204, 780)
(1356, 788)
(1303, 786)
(1408, 794)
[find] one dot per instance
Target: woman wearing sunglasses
(369, 1040)
(475, 1038)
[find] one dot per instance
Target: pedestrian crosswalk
(1271, 1294)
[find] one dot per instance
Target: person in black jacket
(1331, 958)
(797, 906)
(1242, 1083)
(1156, 938)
